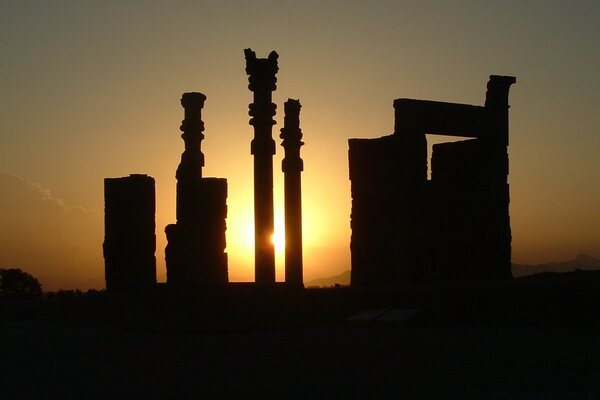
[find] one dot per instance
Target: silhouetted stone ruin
(195, 253)
(456, 226)
(129, 237)
(292, 166)
(261, 75)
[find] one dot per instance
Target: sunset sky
(91, 89)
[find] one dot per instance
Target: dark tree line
(17, 284)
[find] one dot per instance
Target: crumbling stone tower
(195, 253)
(456, 226)
(129, 233)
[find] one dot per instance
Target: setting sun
(278, 237)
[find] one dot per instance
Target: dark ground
(534, 339)
(65, 360)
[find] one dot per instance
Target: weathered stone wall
(470, 224)
(129, 238)
(195, 253)
(387, 184)
(453, 227)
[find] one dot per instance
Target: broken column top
(292, 106)
(192, 102)
(292, 137)
(261, 71)
(136, 177)
(497, 90)
(291, 133)
(291, 109)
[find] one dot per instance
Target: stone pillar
(292, 165)
(261, 75)
(192, 160)
(129, 236)
(195, 253)
(496, 102)
(499, 247)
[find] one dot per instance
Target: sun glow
(325, 232)
(278, 237)
(240, 241)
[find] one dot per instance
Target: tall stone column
(292, 165)
(189, 170)
(261, 75)
(497, 214)
(195, 253)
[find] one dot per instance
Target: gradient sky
(91, 90)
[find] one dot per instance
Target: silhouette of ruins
(261, 76)
(195, 253)
(292, 166)
(406, 228)
(129, 235)
(454, 227)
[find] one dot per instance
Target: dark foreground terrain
(531, 339)
(65, 360)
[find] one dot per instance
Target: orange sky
(92, 91)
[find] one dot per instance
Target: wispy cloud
(39, 233)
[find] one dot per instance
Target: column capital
(292, 136)
(496, 94)
(193, 99)
(192, 126)
(261, 71)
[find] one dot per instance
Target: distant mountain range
(341, 279)
(582, 262)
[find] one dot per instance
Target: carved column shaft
(189, 170)
(292, 166)
(262, 82)
(195, 253)
(192, 126)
